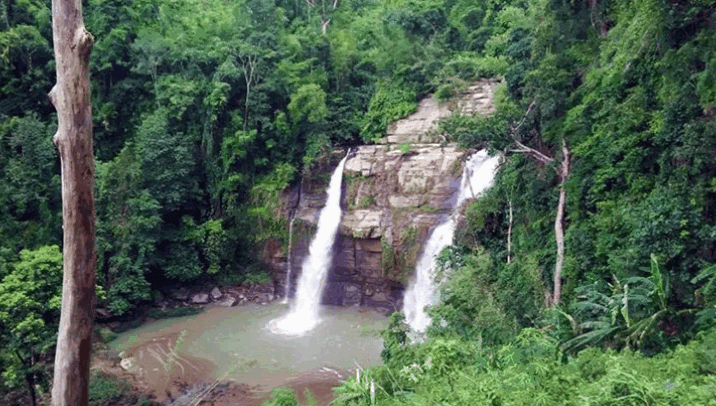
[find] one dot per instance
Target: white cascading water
(304, 316)
(477, 176)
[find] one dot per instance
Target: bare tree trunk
(509, 235)
(596, 21)
(71, 98)
(248, 66)
(30, 379)
(559, 225)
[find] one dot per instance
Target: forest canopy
(204, 111)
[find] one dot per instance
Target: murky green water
(233, 337)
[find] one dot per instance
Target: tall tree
(71, 98)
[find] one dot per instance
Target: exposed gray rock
(102, 313)
(227, 301)
(352, 295)
(363, 223)
(216, 293)
(127, 363)
(394, 194)
(200, 298)
(420, 126)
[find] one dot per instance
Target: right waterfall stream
(477, 176)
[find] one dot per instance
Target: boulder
(127, 363)
(216, 293)
(228, 301)
(200, 298)
(102, 314)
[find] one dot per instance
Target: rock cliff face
(394, 193)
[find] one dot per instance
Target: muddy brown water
(236, 345)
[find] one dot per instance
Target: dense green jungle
(205, 110)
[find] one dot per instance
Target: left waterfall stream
(304, 315)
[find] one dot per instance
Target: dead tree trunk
(71, 98)
(559, 219)
(30, 379)
(509, 235)
(248, 66)
(559, 225)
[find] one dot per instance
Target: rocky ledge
(227, 296)
(178, 297)
(394, 194)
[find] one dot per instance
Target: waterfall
(288, 259)
(303, 316)
(477, 176)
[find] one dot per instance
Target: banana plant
(628, 315)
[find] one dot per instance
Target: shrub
(106, 389)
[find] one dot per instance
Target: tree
(503, 132)
(71, 98)
(29, 308)
(562, 173)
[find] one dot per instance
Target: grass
(405, 148)
(366, 201)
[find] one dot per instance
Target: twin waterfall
(304, 314)
(477, 176)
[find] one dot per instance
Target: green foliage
(165, 160)
(528, 370)
(366, 201)
(267, 202)
(105, 333)
(708, 290)
(463, 69)
(460, 314)
(205, 111)
(106, 389)
(390, 102)
(30, 299)
(636, 314)
(282, 397)
(30, 191)
(395, 341)
(257, 278)
(309, 100)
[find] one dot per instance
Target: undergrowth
(530, 370)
